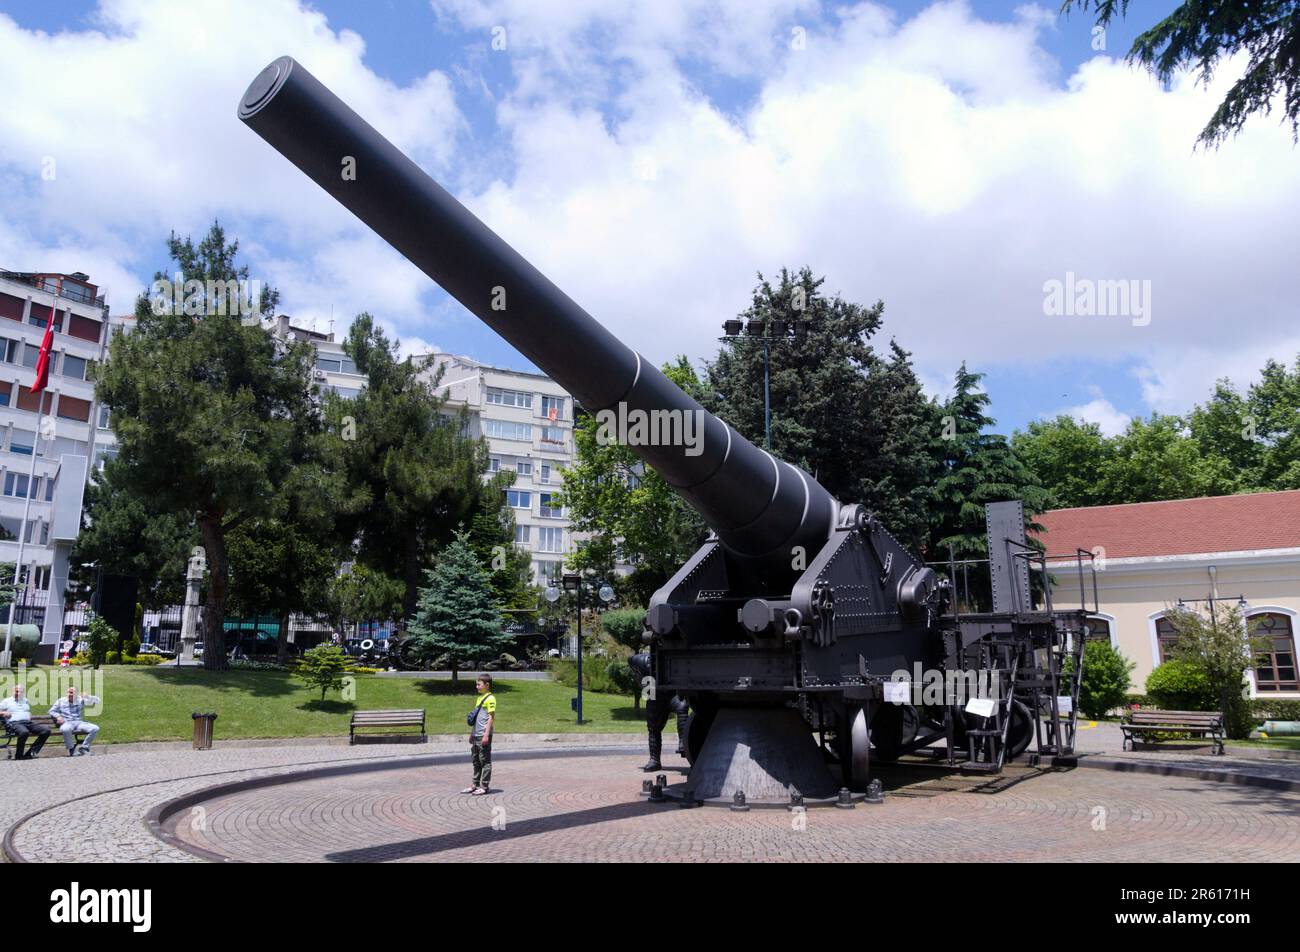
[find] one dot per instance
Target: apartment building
(50, 440)
(527, 419)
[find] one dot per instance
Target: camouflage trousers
(481, 754)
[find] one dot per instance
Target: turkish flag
(43, 360)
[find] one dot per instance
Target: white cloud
(1102, 412)
(932, 160)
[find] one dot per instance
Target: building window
(84, 328)
(494, 464)
(548, 570)
(508, 430)
(74, 408)
(16, 484)
(21, 441)
(553, 435)
(553, 408)
(521, 534)
(49, 490)
(6, 390)
(1098, 630)
(38, 533)
(31, 354)
(524, 468)
(1276, 668)
(9, 528)
(1166, 637)
(550, 539)
(509, 398)
(548, 511)
(546, 473)
(28, 400)
(103, 417)
(40, 316)
(518, 499)
(12, 307)
(74, 367)
(10, 350)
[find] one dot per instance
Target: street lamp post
(778, 329)
(576, 583)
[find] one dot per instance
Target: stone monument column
(190, 615)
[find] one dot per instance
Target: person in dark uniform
(657, 711)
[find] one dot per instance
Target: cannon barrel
(759, 506)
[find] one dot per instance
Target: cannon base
(766, 753)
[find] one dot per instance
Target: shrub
(625, 626)
(147, 660)
(131, 647)
(623, 679)
(596, 674)
(1181, 686)
(1275, 709)
(323, 667)
(1105, 678)
(100, 637)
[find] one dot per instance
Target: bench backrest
(1189, 718)
(387, 717)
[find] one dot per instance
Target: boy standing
(482, 721)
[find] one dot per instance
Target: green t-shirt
(487, 706)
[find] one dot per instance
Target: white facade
(47, 437)
(527, 419)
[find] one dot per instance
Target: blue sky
(949, 158)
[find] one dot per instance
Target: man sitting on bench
(17, 714)
(67, 714)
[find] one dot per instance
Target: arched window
(1166, 636)
(1276, 670)
(1098, 629)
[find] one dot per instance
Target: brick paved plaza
(576, 804)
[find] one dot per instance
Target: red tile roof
(1178, 527)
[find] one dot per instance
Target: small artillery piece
(802, 632)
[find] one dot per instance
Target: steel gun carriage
(791, 624)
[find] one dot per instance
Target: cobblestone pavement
(93, 809)
(586, 810)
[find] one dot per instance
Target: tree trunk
(412, 575)
(455, 667)
(282, 642)
(214, 610)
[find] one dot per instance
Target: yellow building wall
(1132, 597)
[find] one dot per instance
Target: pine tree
(457, 614)
(976, 467)
(854, 418)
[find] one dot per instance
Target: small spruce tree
(457, 613)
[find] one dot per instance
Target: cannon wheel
(894, 727)
(1020, 733)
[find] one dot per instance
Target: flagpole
(39, 388)
(22, 536)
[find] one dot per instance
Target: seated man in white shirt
(66, 712)
(17, 714)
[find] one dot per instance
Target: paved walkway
(586, 807)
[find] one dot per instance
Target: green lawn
(155, 704)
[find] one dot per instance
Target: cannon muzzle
(760, 507)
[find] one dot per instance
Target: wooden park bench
(386, 720)
(1197, 723)
(8, 745)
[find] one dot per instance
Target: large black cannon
(785, 627)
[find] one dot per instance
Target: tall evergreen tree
(457, 614)
(212, 414)
(976, 467)
(413, 471)
(853, 418)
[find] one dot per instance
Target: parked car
(150, 648)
